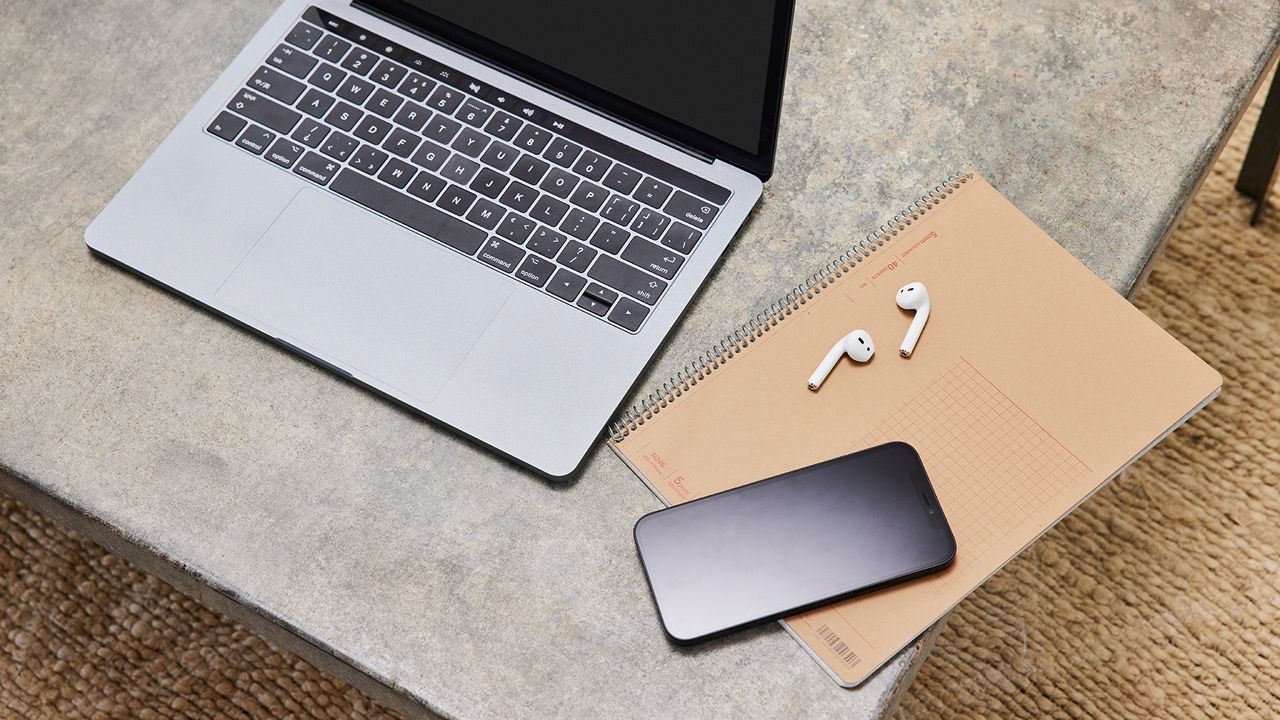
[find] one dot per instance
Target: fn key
(628, 314)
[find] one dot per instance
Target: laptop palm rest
(364, 294)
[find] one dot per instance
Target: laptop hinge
(699, 154)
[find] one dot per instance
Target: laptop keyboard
(586, 219)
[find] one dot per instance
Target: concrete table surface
(430, 573)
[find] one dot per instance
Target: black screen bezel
(759, 163)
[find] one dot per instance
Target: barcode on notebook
(839, 646)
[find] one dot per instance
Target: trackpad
(368, 295)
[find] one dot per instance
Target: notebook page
(1032, 385)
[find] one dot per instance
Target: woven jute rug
(1159, 597)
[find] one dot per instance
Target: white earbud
(857, 345)
(913, 297)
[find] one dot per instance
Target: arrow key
(565, 285)
(628, 314)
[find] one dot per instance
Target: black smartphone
(793, 542)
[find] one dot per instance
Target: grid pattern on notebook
(965, 427)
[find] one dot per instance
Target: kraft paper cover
(1032, 385)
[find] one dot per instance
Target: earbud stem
(914, 332)
(825, 367)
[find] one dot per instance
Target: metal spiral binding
(776, 312)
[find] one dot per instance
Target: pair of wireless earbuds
(858, 345)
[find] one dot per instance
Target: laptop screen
(712, 67)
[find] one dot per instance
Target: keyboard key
(486, 214)
(316, 168)
(562, 152)
(681, 238)
(417, 86)
(359, 61)
(445, 100)
(547, 242)
(620, 210)
(227, 126)
(397, 173)
(413, 116)
(430, 155)
(503, 126)
(388, 74)
(327, 77)
(499, 155)
(652, 192)
(384, 103)
(628, 314)
(460, 169)
(690, 209)
(261, 110)
(549, 210)
(589, 196)
(532, 139)
(470, 142)
(529, 169)
(310, 133)
(559, 182)
(501, 254)
(456, 200)
(355, 90)
(519, 196)
(332, 48)
(663, 262)
(277, 85)
(373, 129)
(592, 305)
(255, 139)
(565, 285)
(535, 270)
(593, 165)
(442, 129)
(303, 36)
(399, 207)
(489, 183)
(577, 256)
(622, 178)
(367, 159)
(401, 142)
(315, 103)
(344, 116)
(427, 186)
(292, 60)
(473, 112)
(516, 228)
(626, 279)
(339, 146)
(579, 224)
(610, 238)
(650, 223)
(601, 293)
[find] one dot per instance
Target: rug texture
(1160, 597)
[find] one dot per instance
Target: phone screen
(762, 551)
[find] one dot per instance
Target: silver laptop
(491, 212)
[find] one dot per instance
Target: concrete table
(431, 574)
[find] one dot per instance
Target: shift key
(627, 280)
(260, 109)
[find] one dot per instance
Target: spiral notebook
(1034, 383)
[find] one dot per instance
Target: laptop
(490, 212)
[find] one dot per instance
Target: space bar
(404, 209)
